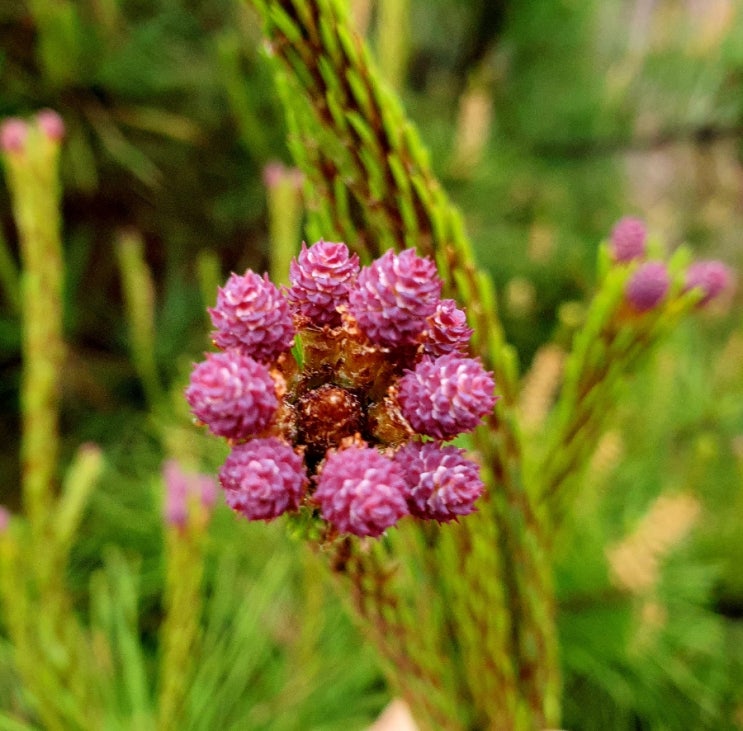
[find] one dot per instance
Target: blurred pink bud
(648, 286)
(628, 239)
(51, 124)
(207, 491)
(4, 519)
(296, 177)
(176, 494)
(275, 173)
(711, 277)
(180, 487)
(13, 133)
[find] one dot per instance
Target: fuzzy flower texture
(338, 393)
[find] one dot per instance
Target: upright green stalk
(51, 651)
(187, 510)
(32, 174)
(608, 347)
(9, 277)
(284, 193)
(139, 299)
(179, 634)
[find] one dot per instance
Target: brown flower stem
(372, 577)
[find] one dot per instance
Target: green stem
(139, 299)
(609, 347)
(284, 191)
(9, 277)
(52, 652)
(35, 192)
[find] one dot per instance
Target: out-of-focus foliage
(170, 119)
(646, 581)
(584, 111)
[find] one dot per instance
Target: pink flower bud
(275, 173)
(446, 396)
(394, 296)
(381, 361)
(263, 478)
(628, 239)
(712, 277)
(51, 124)
(361, 491)
(13, 134)
(180, 487)
(4, 519)
(648, 286)
(443, 484)
(447, 331)
(232, 394)
(321, 278)
(253, 316)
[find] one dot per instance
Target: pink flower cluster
(650, 282)
(353, 428)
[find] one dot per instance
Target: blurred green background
(546, 121)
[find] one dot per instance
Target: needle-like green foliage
(597, 586)
(371, 183)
